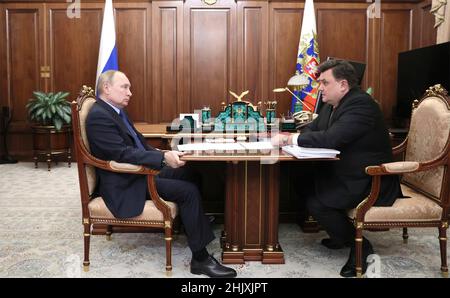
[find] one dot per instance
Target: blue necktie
(137, 141)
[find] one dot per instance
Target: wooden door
(22, 67)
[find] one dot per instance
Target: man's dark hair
(342, 70)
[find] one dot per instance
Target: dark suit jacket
(109, 139)
(357, 129)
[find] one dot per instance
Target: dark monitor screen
(418, 70)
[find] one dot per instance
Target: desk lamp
(303, 117)
(299, 82)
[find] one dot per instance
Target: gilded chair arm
(401, 167)
(393, 168)
(127, 167)
(118, 167)
(401, 148)
(114, 166)
(137, 169)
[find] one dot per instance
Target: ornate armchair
(425, 178)
(157, 212)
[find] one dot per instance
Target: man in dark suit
(351, 122)
(112, 136)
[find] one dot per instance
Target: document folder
(304, 152)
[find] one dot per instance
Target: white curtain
(441, 11)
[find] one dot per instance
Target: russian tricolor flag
(107, 55)
(308, 58)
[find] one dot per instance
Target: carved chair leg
(87, 238)
(49, 161)
(69, 157)
(405, 235)
(358, 252)
(443, 247)
(168, 239)
(108, 232)
(176, 230)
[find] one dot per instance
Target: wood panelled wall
(183, 55)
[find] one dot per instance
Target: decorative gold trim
(443, 238)
(444, 224)
(269, 247)
(209, 2)
(45, 71)
(361, 204)
(168, 238)
(87, 91)
(358, 239)
(415, 104)
(438, 12)
(86, 235)
(445, 274)
(359, 225)
(436, 90)
(86, 268)
(234, 248)
(133, 222)
(85, 220)
(167, 224)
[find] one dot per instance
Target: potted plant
(49, 109)
(50, 115)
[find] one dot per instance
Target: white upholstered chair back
(83, 113)
(427, 138)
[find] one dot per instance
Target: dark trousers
(180, 186)
(335, 221)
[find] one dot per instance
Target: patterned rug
(41, 236)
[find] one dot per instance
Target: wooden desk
(251, 206)
(252, 190)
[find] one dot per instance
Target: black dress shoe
(212, 268)
(333, 244)
(349, 269)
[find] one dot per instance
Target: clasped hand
(173, 159)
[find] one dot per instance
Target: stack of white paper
(303, 152)
(257, 145)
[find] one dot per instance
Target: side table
(49, 143)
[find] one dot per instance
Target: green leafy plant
(49, 109)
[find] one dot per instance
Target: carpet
(41, 235)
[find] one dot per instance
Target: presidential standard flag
(107, 55)
(308, 59)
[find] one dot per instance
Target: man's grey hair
(106, 78)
